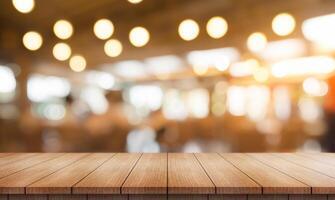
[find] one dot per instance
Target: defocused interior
(167, 75)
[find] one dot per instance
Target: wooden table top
(167, 173)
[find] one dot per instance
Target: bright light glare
(217, 27)
(309, 110)
(96, 100)
(283, 49)
(256, 42)
(258, 101)
(32, 40)
(63, 29)
(161, 65)
(237, 100)
(315, 87)
(131, 69)
(61, 51)
(283, 24)
(320, 29)
(135, 1)
(41, 88)
(8, 82)
(147, 96)
(24, 6)
(188, 29)
(113, 48)
(244, 68)
(139, 36)
(261, 74)
(103, 29)
(54, 112)
(303, 66)
(198, 103)
(174, 108)
(142, 140)
(219, 58)
(282, 102)
(101, 79)
(77, 63)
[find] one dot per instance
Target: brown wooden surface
(108, 178)
(320, 183)
(16, 183)
(62, 181)
(227, 178)
(148, 176)
(186, 176)
(213, 176)
(272, 180)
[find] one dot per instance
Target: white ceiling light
(63, 29)
(103, 29)
(139, 36)
(32, 40)
(24, 6)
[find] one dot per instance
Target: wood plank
(27, 197)
(148, 197)
(321, 157)
(268, 197)
(20, 165)
(186, 176)
(5, 154)
(321, 184)
(109, 177)
(188, 197)
(226, 177)
(307, 162)
(16, 183)
(227, 197)
(272, 180)
(307, 197)
(14, 158)
(62, 181)
(149, 176)
(67, 197)
(107, 197)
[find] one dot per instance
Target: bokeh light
(113, 48)
(77, 63)
(63, 29)
(256, 42)
(217, 27)
(24, 6)
(61, 51)
(103, 29)
(283, 24)
(139, 36)
(32, 40)
(188, 29)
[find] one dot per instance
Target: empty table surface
(166, 174)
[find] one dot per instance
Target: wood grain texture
(227, 197)
(186, 176)
(10, 158)
(27, 197)
(149, 176)
(67, 197)
(14, 167)
(321, 184)
(62, 181)
(321, 167)
(107, 197)
(226, 177)
(188, 197)
(148, 197)
(109, 177)
(16, 183)
(307, 197)
(268, 197)
(272, 180)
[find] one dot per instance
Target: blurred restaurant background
(167, 75)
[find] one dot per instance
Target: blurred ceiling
(160, 17)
